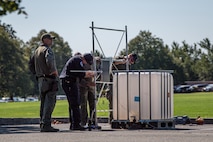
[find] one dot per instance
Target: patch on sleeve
(81, 63)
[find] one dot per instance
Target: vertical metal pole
(165, 95)
(117, 95)
(127, 68)
(127, 63)
(127, 95)
(94, 67)
(161, 95)
(170, 94)
(93, 42)
(150, 95)
(139, 91)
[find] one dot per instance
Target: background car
(31, 99)
(61, 97)
(181, 89)
(5, 100)
(208, 88)
(197, 87)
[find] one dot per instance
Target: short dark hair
(135, 57)
(89, 58)
(77, 53)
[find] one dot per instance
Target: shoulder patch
(81, 64)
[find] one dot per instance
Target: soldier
(72, 73)
(47, 75)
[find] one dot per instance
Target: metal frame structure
(94, 37)
(163, 123)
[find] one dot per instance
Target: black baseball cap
(89, 58)
(47, 35)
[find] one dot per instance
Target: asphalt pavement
(181, 133)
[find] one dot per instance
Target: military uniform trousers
(87, 95)
(48, 99)
(72, 92)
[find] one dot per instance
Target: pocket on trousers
(54, 85)
(45, 87)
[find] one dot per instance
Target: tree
(13, 80)
(179, 74)
(10, 6)
(204, 66)
(152, 53)
(12, 65)
(8, 28)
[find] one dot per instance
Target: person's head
(47, 39)
(132, 58)
(77, 53)
(87, 58)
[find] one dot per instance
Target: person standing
(71, 75)
(87, 95)
(47, 75)
(88, 98)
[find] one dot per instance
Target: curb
(21, 121)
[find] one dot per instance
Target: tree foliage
(12, 66)
(10, 6)
(8, 28)
(189, 62)
(152, 53)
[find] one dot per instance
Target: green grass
(31, 109)
(190, 104)
(19, 109)
(194, 104)
(61, 109)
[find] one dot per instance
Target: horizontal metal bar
(169, 71)
(85, 71)
(108, 29)
(101, 82)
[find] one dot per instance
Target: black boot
(78, 127)
(48, 128)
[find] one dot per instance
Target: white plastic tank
(142, 95)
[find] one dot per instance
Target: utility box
(142, 95)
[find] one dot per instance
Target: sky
(170, 20)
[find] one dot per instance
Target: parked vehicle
(61, 97)
(208, 88)
(5, 99)
(31, 99)
(181, 89)
(196, 87)
(18, 99)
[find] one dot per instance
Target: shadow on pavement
(11, 129)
